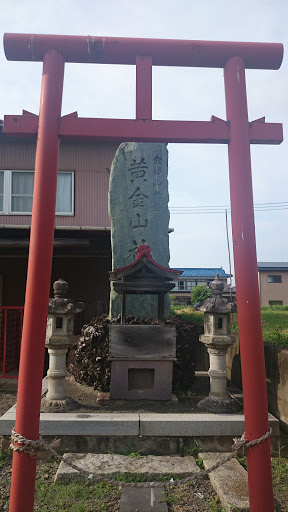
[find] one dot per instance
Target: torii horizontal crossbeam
(123, 50)
(215, 131)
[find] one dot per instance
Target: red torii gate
(237, 132)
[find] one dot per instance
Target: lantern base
(65, 405)
(218, 405)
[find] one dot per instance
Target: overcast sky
(198, 174)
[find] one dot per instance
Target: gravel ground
(7, 399)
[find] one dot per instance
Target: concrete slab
(196, 424)
(143, 499)
(152, 431)
(73, 424)
(134, 424)
(111, 464)
(230, 481)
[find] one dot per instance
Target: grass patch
(188, 313)
(3, 457)
(75, 497)
(279, 472)
(274, 321)
(274, 324)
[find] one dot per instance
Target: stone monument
(138, 208)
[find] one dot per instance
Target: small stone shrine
(59, 337)
(142, 355)
(138, 209)
(217, 338)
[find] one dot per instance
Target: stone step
(148, 467)
(139, 499)
(230, 482)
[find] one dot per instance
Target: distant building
(273, 283)
(192, 277)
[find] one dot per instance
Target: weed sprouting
(3, 457)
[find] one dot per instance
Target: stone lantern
(59, 337)
(217, 338)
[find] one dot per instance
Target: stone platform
(152, 427)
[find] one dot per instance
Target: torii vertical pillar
(248, 302)
(38, 280)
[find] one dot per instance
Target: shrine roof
(144, 257)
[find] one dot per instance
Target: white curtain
(64, 193)
(22, 191)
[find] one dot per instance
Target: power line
(227, 206)
(258, 207)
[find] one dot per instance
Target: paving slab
(205, 424)
(73, 424)
(143, 499)
(230, 481)
(131, 424)
(111, 464)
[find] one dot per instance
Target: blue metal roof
(202, 272)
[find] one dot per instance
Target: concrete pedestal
(136, 380)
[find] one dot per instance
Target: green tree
(200, 293)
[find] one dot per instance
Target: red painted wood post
(143, 87)
(248, 302)
(38, 281)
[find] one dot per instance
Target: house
(82, 249)
(192, 277)
(273, 283)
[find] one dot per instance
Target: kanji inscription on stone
(138, 208)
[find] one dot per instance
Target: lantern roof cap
(216, 304)
(59, 304)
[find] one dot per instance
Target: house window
(275, 302)
(275, 279)
(22, 192)
(181, 285)
(16, 192)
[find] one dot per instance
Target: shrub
(200, 293)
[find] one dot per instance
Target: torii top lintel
(144, 53)
(123, 50)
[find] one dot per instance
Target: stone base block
(65, 405)
(136, 380)
(217, 405)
